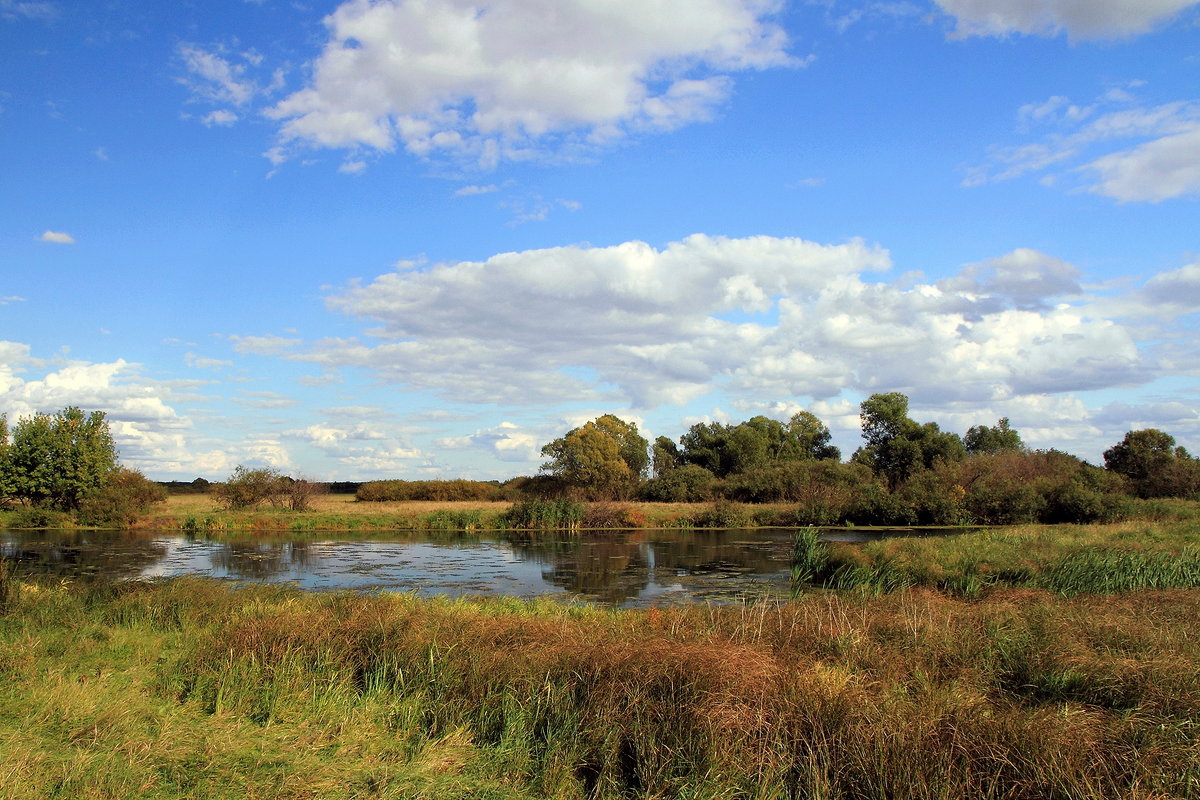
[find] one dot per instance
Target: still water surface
(626, 569)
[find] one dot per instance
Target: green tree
(1000, 438)
(1154, 465)
(606, 457)
(665, 456)
(57, 460)
(806, 437)
(898, 447)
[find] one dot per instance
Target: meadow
(1021, 663)
(196, 689)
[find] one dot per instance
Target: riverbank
(195, 689)
(343, 513)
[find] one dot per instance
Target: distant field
(332, 504)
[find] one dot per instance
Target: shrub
(126, 496)
(250, 488)
(613, 516)
(687, 484)
(32, 518)
(436, 491)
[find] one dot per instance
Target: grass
(197, 689)
(1070, 559)
(203, 513)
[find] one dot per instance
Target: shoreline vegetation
(1051, 653)
(194, 688)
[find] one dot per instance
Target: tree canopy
(897, 447)
(606, 457)
(1154, 465)
(57, 460)
(758, 442)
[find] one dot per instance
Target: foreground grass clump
(195, 689)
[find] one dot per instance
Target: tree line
(905, 471)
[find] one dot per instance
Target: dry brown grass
(333, 504)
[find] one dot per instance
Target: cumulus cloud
(512, 79)
(1025, 277)
(506, 442)
(1080, 20)
(1114, 147)
(755, 318)
(57, 237)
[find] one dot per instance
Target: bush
(436, 491)
(687, 484)
(250, 488)
(612, 516)
(32, 518)
(127, 495)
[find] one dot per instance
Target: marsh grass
(193, 688)
(1070, 559)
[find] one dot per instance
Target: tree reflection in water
(258, 559)
(618, 567)
(81, 554)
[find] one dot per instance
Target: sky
(422, 238)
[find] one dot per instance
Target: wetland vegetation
(1026, 661)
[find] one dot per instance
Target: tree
(1154, 465)
(665, 456)
(999, 438)
(606, 457)
(806, 437)
(57, 460)
(898, 447)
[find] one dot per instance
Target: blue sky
(421, 238)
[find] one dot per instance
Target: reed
(192, 688)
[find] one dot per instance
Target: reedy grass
(193, 688)
(1070, 559)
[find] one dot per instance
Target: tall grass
(1069, 559)
(195, 689)
(539, 514)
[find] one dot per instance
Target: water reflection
(621, 569)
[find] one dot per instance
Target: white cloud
(217, 76)
(201, 362)
(506, 442)
(214, 77)
(1158, 170)
(264, 400)
(754, 318)
(467, 191)
(57, 237)
(511, 79)
(269, 345)
(12, 298)
(221, 117)
(1026, 277)
(1126, 151)
(27, 9)
(1080, 19)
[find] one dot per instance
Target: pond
(623, 569)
